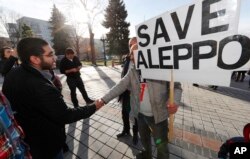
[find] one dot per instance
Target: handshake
(99, 103)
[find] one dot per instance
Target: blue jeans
(159, 132)
(59, 155)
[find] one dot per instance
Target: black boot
(123, 134)
(135, 135)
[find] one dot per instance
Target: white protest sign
(198, 41)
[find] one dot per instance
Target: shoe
(65, 148)
(123, 134)
(90, 101)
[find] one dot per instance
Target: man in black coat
(39, 105)
(70, 66)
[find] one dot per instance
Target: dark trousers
(159, 132)
(125, 119)
(125, 115)
(125, 111)
(74, 83)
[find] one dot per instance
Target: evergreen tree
(115, 20)
(26, 31)
(60, 32)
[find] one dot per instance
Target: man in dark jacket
(70, 66)
(39, 105)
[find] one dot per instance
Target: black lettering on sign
(162, 58)
(150, 60)
(141, 60)
(206, 16)
(163, 34)
(245, 53)
(182, 32)
(178, 57)
(143, 35)
(196, 52)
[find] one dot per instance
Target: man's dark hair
(69, 51)
(2, 51)
(30, 46)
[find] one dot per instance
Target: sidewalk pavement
(204, 120)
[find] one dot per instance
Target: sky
(138, 11)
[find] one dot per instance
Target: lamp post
(104, 51)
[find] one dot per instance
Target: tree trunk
(78, 47)
(92, 44)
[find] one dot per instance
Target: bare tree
(8, 18)
(77, 35)
(92, 9)
(96, 8)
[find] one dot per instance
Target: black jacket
(66, 64)
(124, 97)
(41, 110)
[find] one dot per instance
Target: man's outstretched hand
(99, 103)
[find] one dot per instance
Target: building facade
(40, 28)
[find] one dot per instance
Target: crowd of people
(34, 92)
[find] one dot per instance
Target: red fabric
(6, 150)
(143, 85)
(246, 132)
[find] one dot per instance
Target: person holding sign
(148, 105)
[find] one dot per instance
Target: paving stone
(121, 147)
(72, 144)
(105, 151)
(110, 131)
(81, 137)
(89, 154)
(174, 149)
(98, 157)
(115, 155)
(75, 132)
(96, 146)
(104, 138)
(86, 140)
(96, 134)
(206, 152)
(171, 156)
(116, 126)
(112, 142)
(79, 149)
(103, 128)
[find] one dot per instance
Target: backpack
(12, 145)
